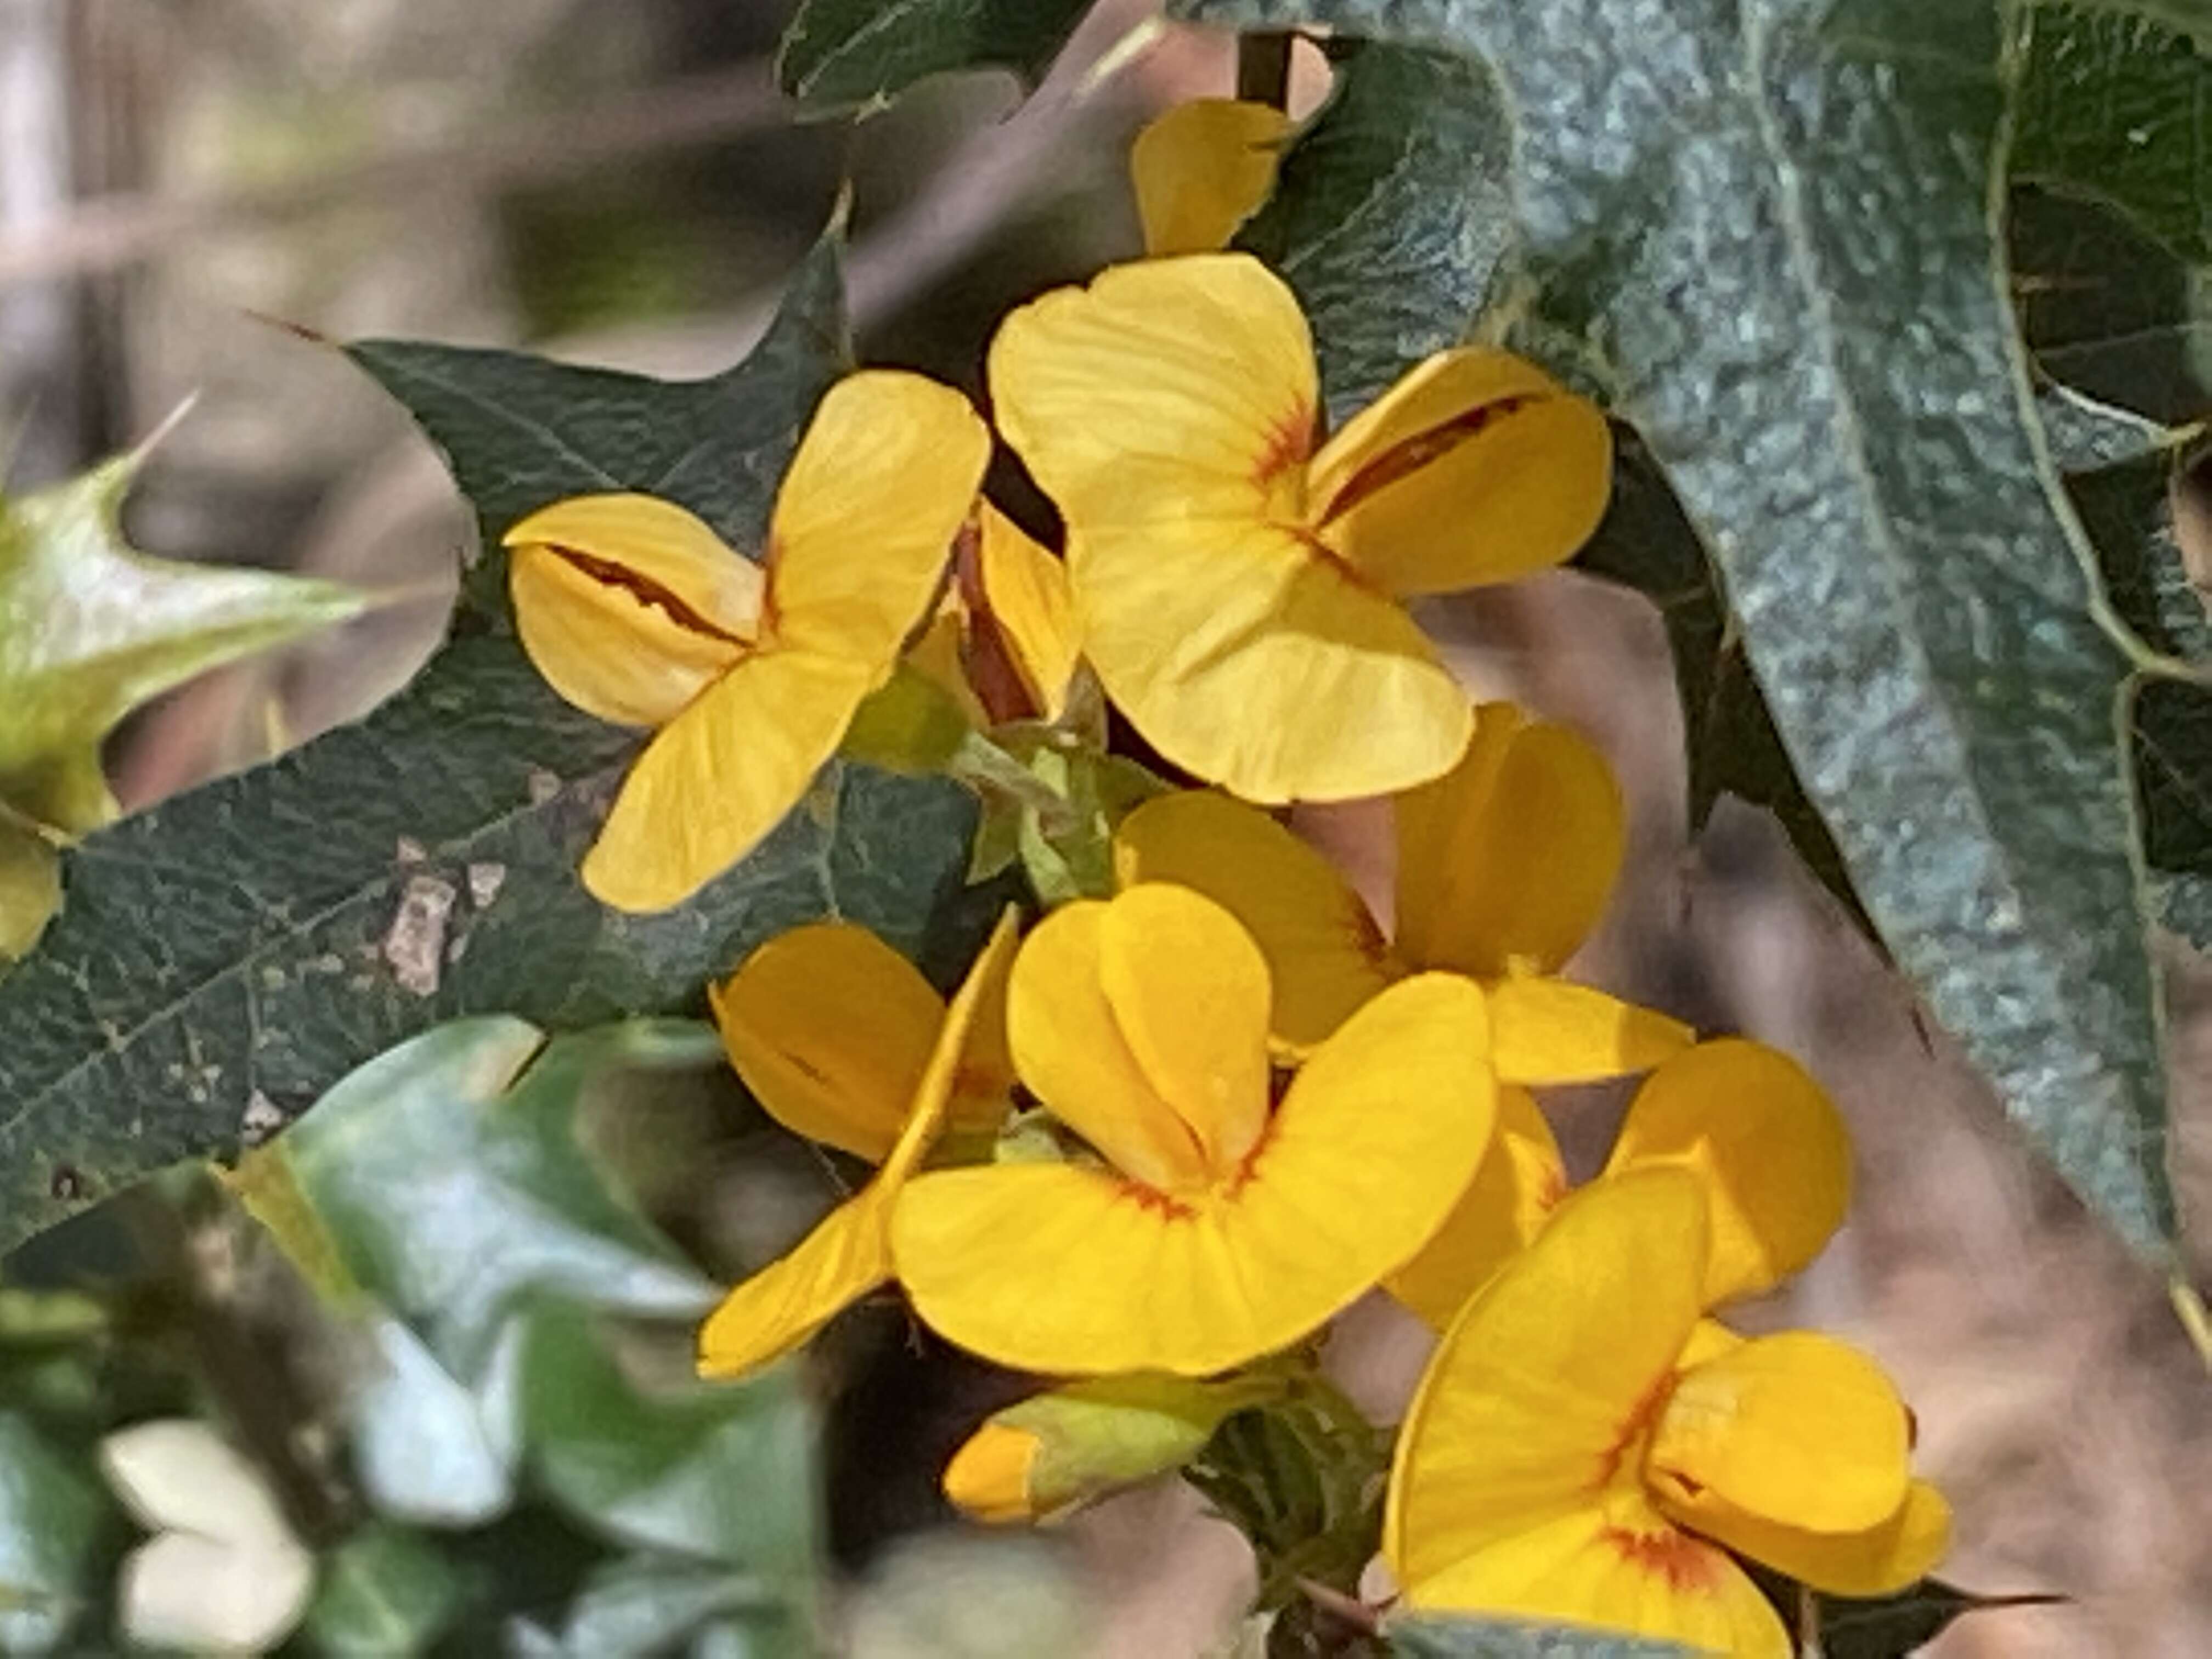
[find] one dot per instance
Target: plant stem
(1263, 68)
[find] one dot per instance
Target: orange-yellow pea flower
(635, 611)
(842, 1041)
(1238, 588)
(1004, 645)
(1202, 169)
(1584, 1443)
(1504, 865)
(1217, 1226)
(1755, 1129)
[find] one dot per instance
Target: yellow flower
(1203, 168)
(1215, 1226)
(1504, 866)
(1004, 644)
(1239, 591)
(634, 612)
(1585, 1444)
(842, 1041)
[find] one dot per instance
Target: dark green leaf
(1395, 233)
(52, 1520)
(1436, 1636)
(720, 1473)
(2113, 107)
(1891, 1627)
(843, 54)
(2108, 310)
(239, 949)
(2085, 435)
(1647, 543)
(1774, 221)
(383, 1594)
(520, 432)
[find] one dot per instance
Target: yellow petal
(989, 1479)
(1068, 1047)
(1189, 991)
(1880, 1561)
(1170, 390)
(1614, 1563)
(1064, 1269)
(1522, 1179)
(721, 775)
(779, 1307)
(1476, 467)
(831, 1030)
(967, 1086)
(627, 604)
(1532, 1401)
(1325, 955)
(1203, 168)
(1251, 662)
(939, 655)
(849, 1254)
(1512, 855)
(1548, 1031)
(1798, 1428)
(1768, 1143)
(865, 519)
(1030, 601)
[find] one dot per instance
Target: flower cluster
(1155, 1142)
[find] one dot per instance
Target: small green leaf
(1394, 233)
(722, 1473)
(1891, 1627)
(2112, 107)
(90, 629)
(54, 1521)
(1429, 1636)
(848, 54)
(383, 1594)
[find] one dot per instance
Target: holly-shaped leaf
(90, 629)
(1891, 1627)
(860, 54)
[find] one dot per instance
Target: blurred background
(194, 193)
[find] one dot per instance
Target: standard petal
(1203, 168)
(1797, 1428)
(1769, 1144)
(1068, 1049)
(1511, 856)
(781, 1307)
(1067, 1270)
(630, 605)
(1250, 660)
(1521, 1181)
(1548, 1031)
(1613, 1563)
(1325, 955)
(1476, 467)
(866, 517)
(1165, 391)
(1189, 991)
(1532, 1401)
(1026, 589)
(831, 1030)
(1880, 1561)
(721, 774)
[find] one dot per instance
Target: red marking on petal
(1290, 441)
(1152, 1199)
(1410, 455)
(1637, 1424)
(1687, 1565)
(648, 593)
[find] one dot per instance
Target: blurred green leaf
(860, 54)
(91, 628)
(55, 1524)
(1769, 226)
(237, 950)
(717, 1474)
(428, 1449)
(382, 1594)
(642, 1606)
(2112, 106)
(1891, 1627)
(1437, 1636)
(1394, 233)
